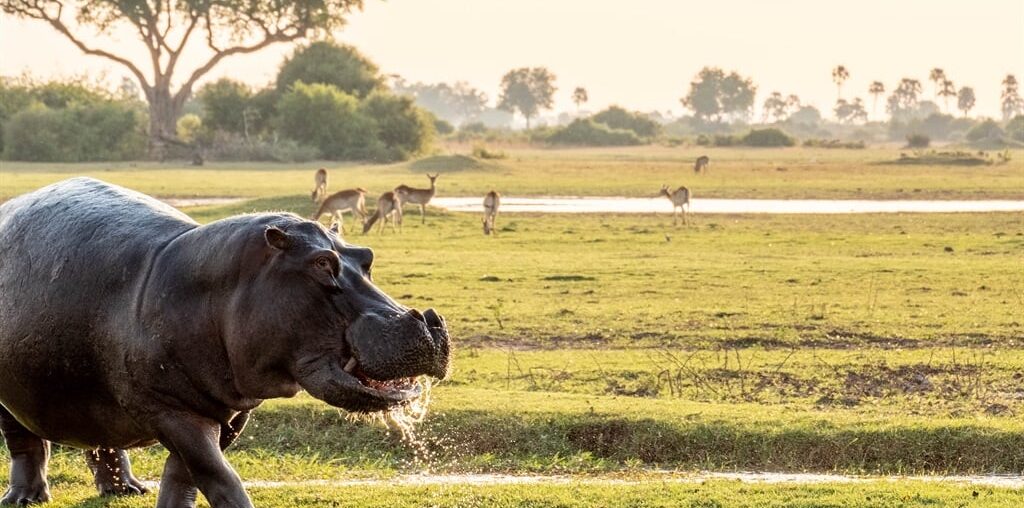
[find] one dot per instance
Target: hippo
(124, 323)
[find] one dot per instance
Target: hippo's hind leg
(29, 456)
(113, 472)
(177, 489)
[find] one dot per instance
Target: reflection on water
(656, 205)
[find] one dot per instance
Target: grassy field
(632, 171)
(602, 345)
(713, 494)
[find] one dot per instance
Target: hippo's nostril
(433, 319)
(416, 314)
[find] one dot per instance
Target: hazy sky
(641, 54)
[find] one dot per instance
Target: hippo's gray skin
(124, 323)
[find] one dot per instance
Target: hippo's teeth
(351, 365)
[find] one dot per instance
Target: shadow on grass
(464, 436)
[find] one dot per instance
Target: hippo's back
(74, 257)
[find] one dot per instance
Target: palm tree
(937, 76)
(1011, 100)
(579, 96)
(946, 91)
(839, 75)
(876, 89)
(965, 100)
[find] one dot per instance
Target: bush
(78, 133)
(329, 119)
(767, 137)
(403, 128)
(474, 127)
(918, 141)
(586, 132)
(618, 118)
(224, 105)
(226, 146)
(833, 143)
(188, 127)
(1015, 128)
(481, 152)
(443, 127)
(985, 131)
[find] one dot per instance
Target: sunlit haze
(639, 54)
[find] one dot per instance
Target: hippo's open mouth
(407, 387)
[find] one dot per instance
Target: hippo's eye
(324, 263)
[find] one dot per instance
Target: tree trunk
(163, 116)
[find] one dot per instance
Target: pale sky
(641, 54)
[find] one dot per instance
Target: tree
(330, 63)
(965, 100)
(579, 96)
(714, 95)
(946, 91)
(839, 76)
(456, 103)
(848, 112)
(166, 29)
(527, 90)
(876, 89)
(776, 107)
(904, 99)
(937, 76)
(1011, 100)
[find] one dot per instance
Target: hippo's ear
(277, 239)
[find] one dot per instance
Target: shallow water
(773, 206)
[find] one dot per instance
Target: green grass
(711, 494)
(633, 171)
(564, 281)
(611, 344)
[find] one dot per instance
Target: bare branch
(271, 38)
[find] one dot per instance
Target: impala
(701, 166)
(389, 208)
(491, 203)
(680, 198)
(420, 197)
(348, 200)
(320, 185)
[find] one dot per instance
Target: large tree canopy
(167, 28)
(715, 94)
(527, 90)
(329, 63)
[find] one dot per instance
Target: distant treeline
(329, 101)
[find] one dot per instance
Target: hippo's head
(317, 320)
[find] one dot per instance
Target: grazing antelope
(320, 185)
(491, 203)
(701, 166)
(348, 200)
(420, 197)
(680, 199)
(389, 209)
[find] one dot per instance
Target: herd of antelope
(389, 204)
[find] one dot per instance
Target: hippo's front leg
(112, 472)
(196, 459)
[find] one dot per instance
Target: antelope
(491, 203)
(320, 185)
(701, 166)
(418, 196)
(679, 198)
(389, 209)
(348, 200)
